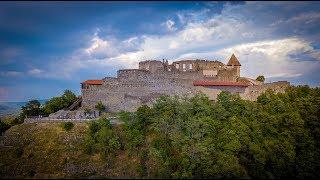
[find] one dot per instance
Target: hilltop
(276, 136)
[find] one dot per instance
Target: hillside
(45, 150)
(276, 136)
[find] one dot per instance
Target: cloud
(264, 44)
(36, 72)
(170, 25)
(273, 58)
(101, 48)
(306, 18)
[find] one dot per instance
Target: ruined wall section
(151, 65)
(212, 65)
(197, 65)
(252, 92)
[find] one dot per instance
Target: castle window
(169, 69)
(184, 67)
(177, 66)
(190, 66)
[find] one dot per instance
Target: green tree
(68, 97)
(144, 116)
(101, 138)
(100, 107)
(54, 104)
(3, 127)
(57, 103)
(32, 108)
(67, 125)
(260, 78)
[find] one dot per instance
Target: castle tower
(234, 63)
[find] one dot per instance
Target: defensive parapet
(132, 74)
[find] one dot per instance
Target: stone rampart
(136, 87)
(133, 88)
(252, 92)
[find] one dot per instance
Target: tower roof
(233, 61)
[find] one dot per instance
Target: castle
(135, 87)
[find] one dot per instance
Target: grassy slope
(45, 150)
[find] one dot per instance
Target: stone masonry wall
(135, 87)
(131, 90)
(252, 92)
(129, 96)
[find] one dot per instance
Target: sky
(47, 47)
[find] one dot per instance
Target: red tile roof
(213, 83)
(92, 82)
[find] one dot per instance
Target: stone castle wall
(129, 96)
(252, 92)
(135, 87)
(132, 88)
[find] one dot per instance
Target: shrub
(67, 125)
(31, 173)
(18, 120)
(93, 128)
(87, 111)
(3, 127)
(18, 151)
(100, 107)
(89, 144)
(102, 139)
(260, 78)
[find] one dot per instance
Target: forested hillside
(276, 136)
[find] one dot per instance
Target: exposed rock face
(135, 87)
(77, 114)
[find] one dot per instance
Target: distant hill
(12, 108)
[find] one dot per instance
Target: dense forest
(276, 136)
